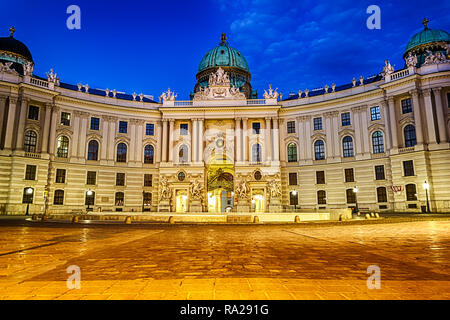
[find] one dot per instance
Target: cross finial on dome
(223, 38)
(425, 22)
(12, 30)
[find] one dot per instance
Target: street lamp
(294, 193)
(355, 191)
(253, 205)
(89, 193)
(426, 186)
(29, 192)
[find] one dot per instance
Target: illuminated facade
(372, 143)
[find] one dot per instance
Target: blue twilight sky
(148, 46)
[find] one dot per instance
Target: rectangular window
(95, 123)
(91, 177)
(120, 179)
(256, 127)
(408, 168)
(375, 113)
(349, 176)
(184, 129)
(65, 118)
(317, 123)
(345, 118)
(406, 106)
(148, 180)
(33, 113)
(448, 99)
(30, 172)
(149, 129)
(60, 175)
(320, 177)
(379, 173)
(147, 201)
(381, 194)
(123, 127)
(58, 199)
(291, 127)
(292, 178)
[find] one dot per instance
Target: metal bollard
(128, 220)
(171, 220)
(297, 219)
(256, 219)
(75, 219)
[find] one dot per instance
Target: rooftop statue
(53, 77)
(411, 60)
(6, 68)
(28, 69)
(387, 69)
(219, 87)
(168, 96)
(272, 94)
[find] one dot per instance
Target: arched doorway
(220, 182)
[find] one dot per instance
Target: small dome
(223, 56)
(427, 36)
(11, 45)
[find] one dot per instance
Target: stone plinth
(195, 206)
(243, 206)
(164, 206)
(275, 205)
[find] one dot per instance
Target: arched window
(377, 142)
(411, 192)
(410, 136)
(319, 150)
(119, 199)
(183, 153)
(256, 152)
(347, 144)
(321, 197)
(62, 149)
(148, 154)
(381, 194)
(121, 152)
(351, 196)
(292, 152)
(93, 150)
(58, 198)
(30, 141)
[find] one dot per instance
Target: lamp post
(355, 191)
(294, 193)
(426, 186)
(89, 193)
(253, 205)
(29, 192)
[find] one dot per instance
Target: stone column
(139, 137)
(417, 116)
(104, 145)
(200, 140)
(9, 132)
(164, 141)
(2, 116)
(365, 129)
(83, 131)
(238, 140)
(329, 134)
(385, 118)
(308, 143)
(158, 147)
(335, 130)
(276, 140)
(76, 123)
(53, 125)
(283, 134)
(358, 134)
(112, 138)
(393, 122)
(267, 142)
(21, 127)
(244, 140)
(171, 132)
(440, 115)
(429, 114)
(301, 139)
(194, 140)
(132, 147)
(46, 132)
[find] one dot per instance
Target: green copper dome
(427, 36)
(223, 56)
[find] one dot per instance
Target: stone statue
(411, 60)
(196, 190)
(439, 57)
(6, 68)
(272, 94)
(165, 189)
(354, 82)
(28, 69)
(429, 58)
(275, 189)
(242, 189)
(219, 87)
(387, 69)
(53, 77)
(220, 78)
(168, 96)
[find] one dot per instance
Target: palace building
(379, 143)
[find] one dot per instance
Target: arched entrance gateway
(220, 184)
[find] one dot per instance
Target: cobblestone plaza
(308, 261)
